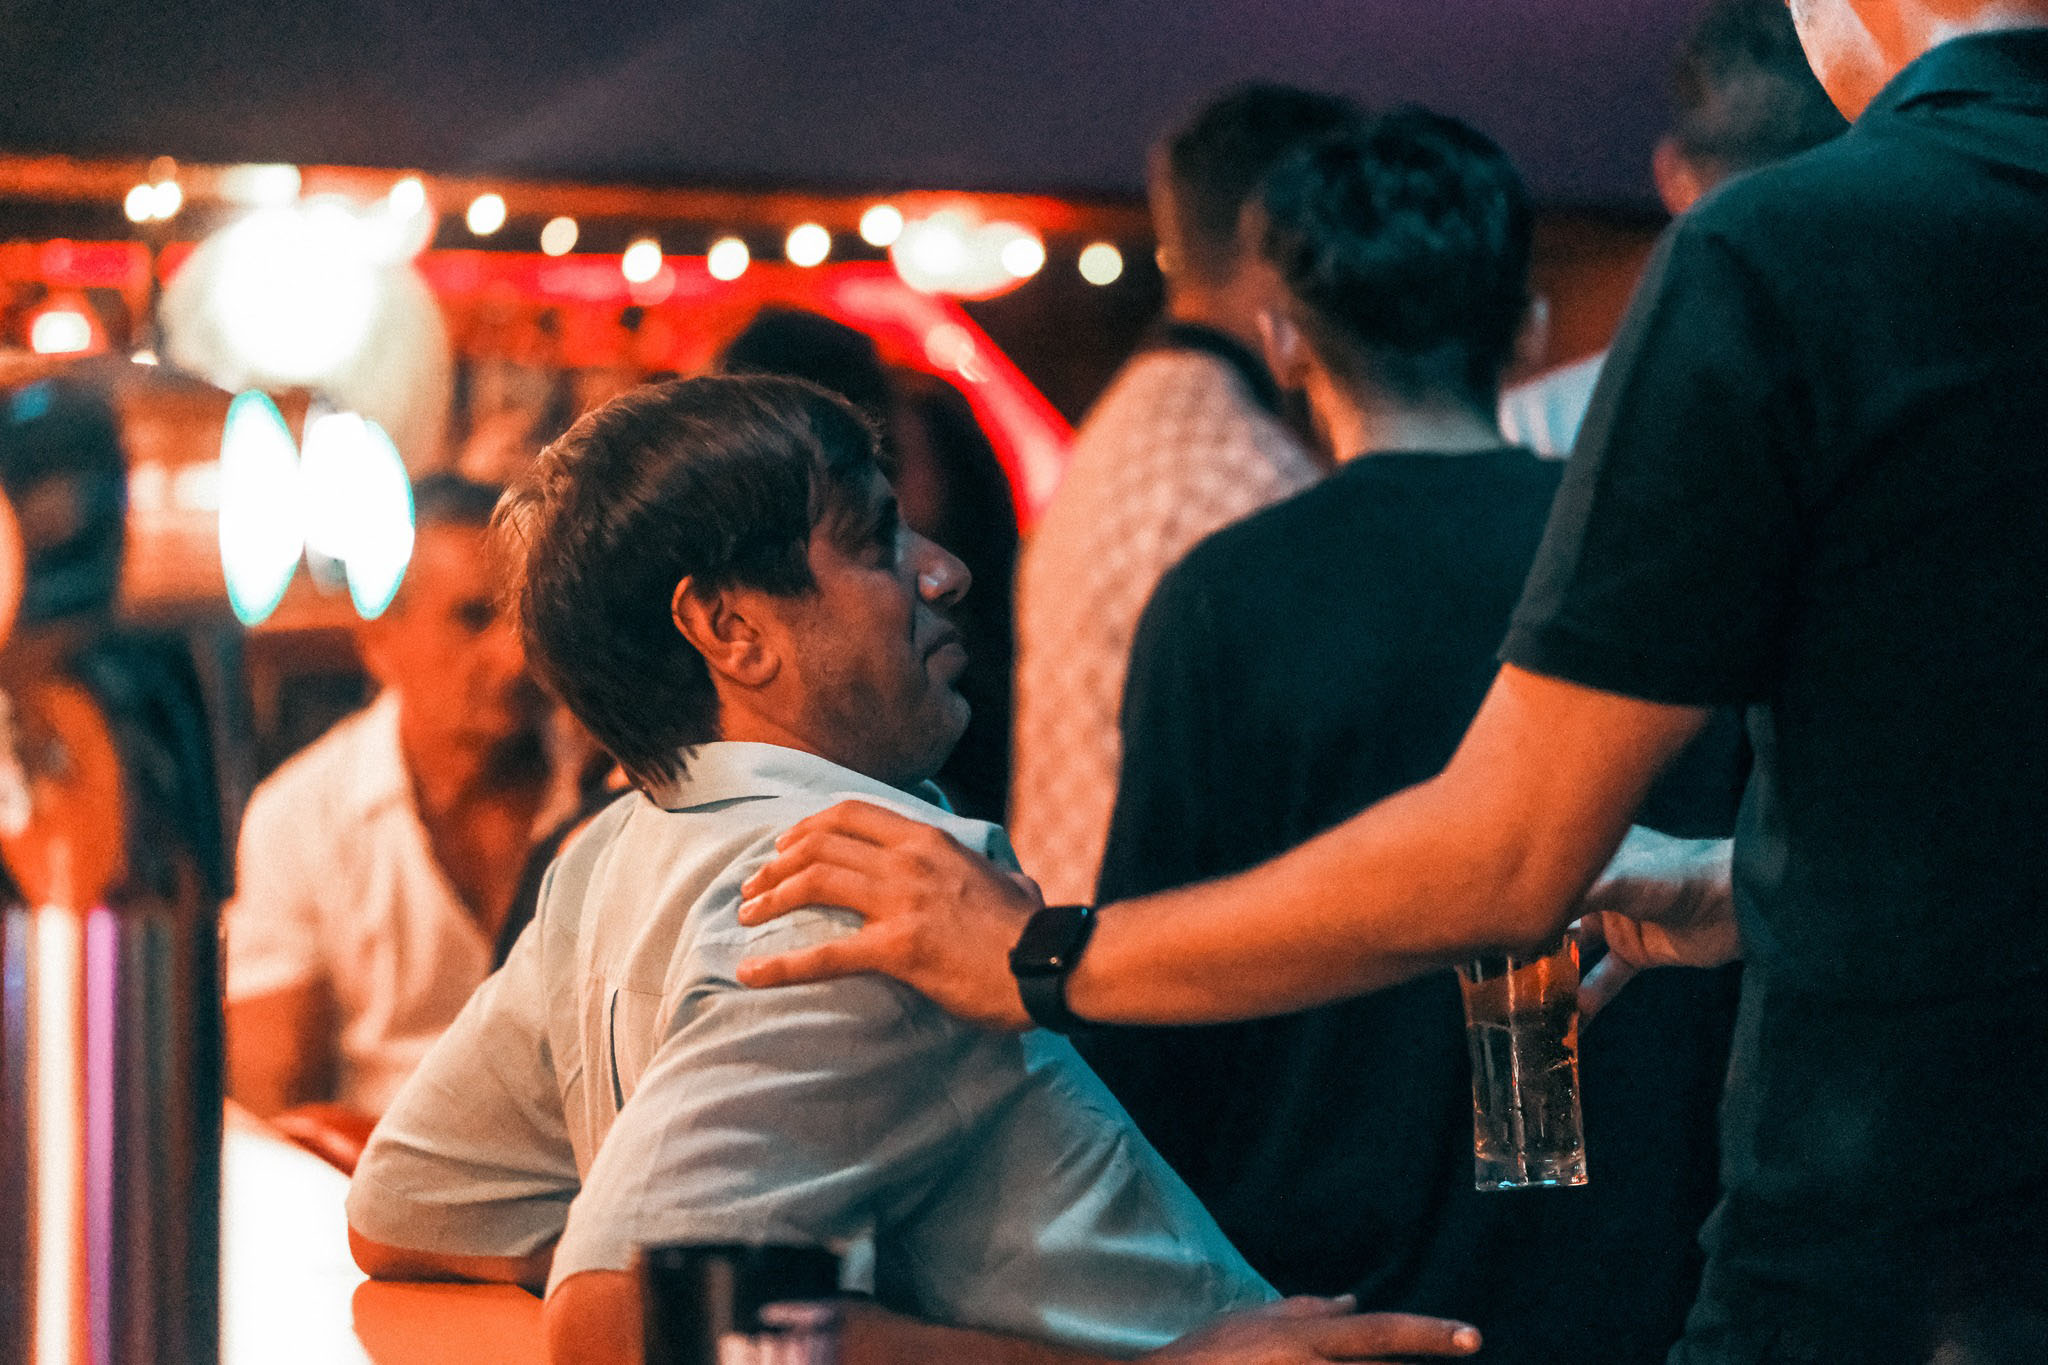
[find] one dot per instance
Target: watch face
(1051, 939)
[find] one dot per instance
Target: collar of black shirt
(2010, 66)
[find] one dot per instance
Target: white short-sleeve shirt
(335, 883)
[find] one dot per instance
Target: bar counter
(290, 1291)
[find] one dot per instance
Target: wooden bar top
(291, 1292)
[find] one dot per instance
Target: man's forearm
(1493, 853)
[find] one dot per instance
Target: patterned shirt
(1178, 446)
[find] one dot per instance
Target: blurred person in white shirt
(375, 869)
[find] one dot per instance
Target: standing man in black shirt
(1813, 482)
(1326, 653)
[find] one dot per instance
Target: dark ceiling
(1056, 95)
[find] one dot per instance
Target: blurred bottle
(726, 1304)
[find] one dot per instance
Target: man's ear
(1679, 182)
(1286, 349)
(720, 626)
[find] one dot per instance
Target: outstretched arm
(1493, 853)
(594, 1319)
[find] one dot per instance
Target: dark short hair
(1742, 94)
(445, 499)
(721, 480)
(806, 345)
(1218, 157)
(1405, 243)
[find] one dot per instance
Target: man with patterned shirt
(1187, 439)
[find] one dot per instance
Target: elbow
(374, 1258)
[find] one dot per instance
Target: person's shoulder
(323, 781)
(1773, 211)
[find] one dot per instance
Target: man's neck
(1363, 426)
(1203, 307)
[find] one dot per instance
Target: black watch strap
(1047, 950)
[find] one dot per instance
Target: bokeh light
(728, 259)
(1101, 263)
(641, 261)
(486, 214)
(808, 244)
(558, 238)
(881, 225)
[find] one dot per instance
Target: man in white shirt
(716, 581)
(375, 867)
(1186, 440)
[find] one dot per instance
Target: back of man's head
(1404, 247)
(1215, 161)
(720, 480)
(1742, 94)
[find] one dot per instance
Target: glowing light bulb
(166, 198)
(486, 214)
(140, 205)
(409, 196)
(61, 331)
(881, 225)
(260, 539)
(1101, 263)
(1023, 255)
(808, 244)
(728, 259)
(642, 261)
(356, 506)
(558, 238)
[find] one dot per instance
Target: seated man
(375, 867)
(714, 578)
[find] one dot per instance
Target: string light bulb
(808, 244)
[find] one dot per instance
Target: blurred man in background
(1742, 97)
(375, 868)
(1186, 439)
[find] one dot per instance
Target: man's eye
(476, 616)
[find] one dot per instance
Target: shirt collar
(738, 770)
(1192, 336)
(2009, 65)
(378, 775)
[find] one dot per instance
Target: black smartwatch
(1046, 951)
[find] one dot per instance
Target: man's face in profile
(872, 647)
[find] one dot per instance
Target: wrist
(1045, 956)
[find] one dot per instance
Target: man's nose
(942, 579)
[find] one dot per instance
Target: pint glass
(1522, 1032)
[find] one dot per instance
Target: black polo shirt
(1814, 481)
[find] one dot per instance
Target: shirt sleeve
(1666, 571)
(473, 1157)
(809, 1113)
(271, 929)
